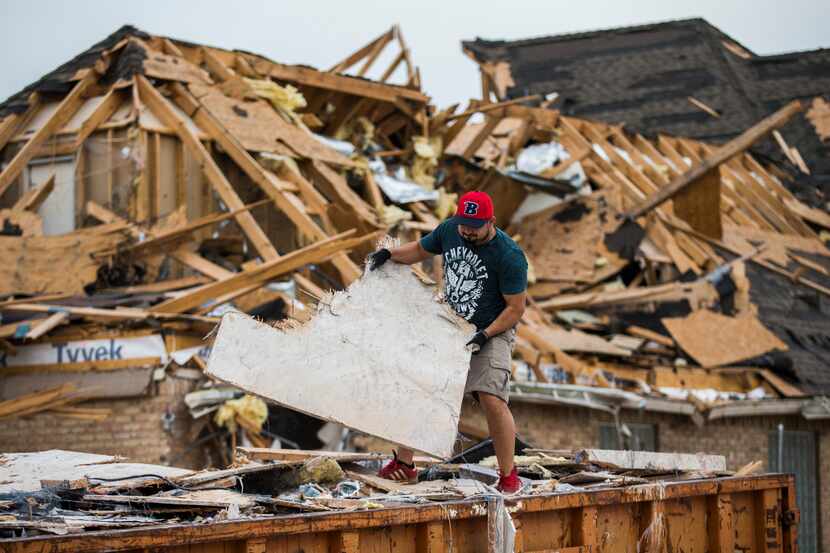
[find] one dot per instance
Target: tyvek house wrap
(383, 357)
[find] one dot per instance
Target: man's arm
(510, 315)
(409, 253)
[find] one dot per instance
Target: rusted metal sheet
(721, 515)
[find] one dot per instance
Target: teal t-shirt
(475, 277)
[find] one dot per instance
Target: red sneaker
(510, 483)
(398, 470)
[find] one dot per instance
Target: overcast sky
(36, 35)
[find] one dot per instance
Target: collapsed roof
(685, 78)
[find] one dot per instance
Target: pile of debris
(61, 492)
(151, 185)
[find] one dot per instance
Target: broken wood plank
(34, 197)
(315, 253)
(187, 501)
(270, 454)
(34, 402)
(47, 324)
(694, 292)
(652, 461)
(781, 386)
(698, 104)
(340, 83)
(162, 241)
(200, 264)
(205, 476)
(647, 334)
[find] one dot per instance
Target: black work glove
(378, 258)
(477, 341)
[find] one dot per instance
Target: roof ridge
(589, 33)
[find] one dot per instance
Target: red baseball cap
(474, 209)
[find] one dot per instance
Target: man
(485, 281)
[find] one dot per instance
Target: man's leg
(502, 429)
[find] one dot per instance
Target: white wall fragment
(382, 357)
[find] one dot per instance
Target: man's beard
(476, 241)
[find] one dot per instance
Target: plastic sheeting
(398, 188)
(538, 158)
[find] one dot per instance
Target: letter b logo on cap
(470, 208)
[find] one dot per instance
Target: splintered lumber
(47, 324)
(652, 461)
(262, 273)
(695, 292)
(781, 386)
(206, 499)
(269, 454)
(165, 239)
(34, 402)
(714, 340)
(162, 286)
(205, 476)
(164, 110)
(34, 198)
(341, 83)
(721, 155)
(352, 376)
(647, 334)
(65, 110)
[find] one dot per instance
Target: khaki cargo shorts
(490, 367)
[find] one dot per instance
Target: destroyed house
(150, 186)
(685, 78)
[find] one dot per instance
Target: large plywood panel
(382, 357)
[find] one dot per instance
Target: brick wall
(740, 440)
(133, 430)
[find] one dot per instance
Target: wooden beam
(490, 107)
(165, 239)
(216, 67)
(288, 203)
(373, 56)
(483, 133)
(361, 53)
(267, 271)
(335, 184)
(700, 105)
(32, 199)
(723, 154)
(111, 102)
(65, 110)
(200, 264)
(307, 76)
(392, 66)
(47, 324)
(162, 109)
(16, 122)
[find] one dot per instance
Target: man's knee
(491, 402)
